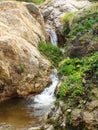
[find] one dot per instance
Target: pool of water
(26, 113)
(18, 112)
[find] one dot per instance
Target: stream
(26, 113)
(53, 37)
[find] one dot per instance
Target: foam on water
(53, 37)
(43, 101)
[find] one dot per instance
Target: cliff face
(54, 10)
(23, 70)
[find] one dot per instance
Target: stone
(89, 119)
(35, 128)
(23, 70)
(4, 126)
(76, 117)
(92, 105)
(69, 110)
(95, 92)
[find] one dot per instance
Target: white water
(43, 101)
(53, 37)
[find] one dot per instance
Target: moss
(55, 123)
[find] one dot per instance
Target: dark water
(19, 113)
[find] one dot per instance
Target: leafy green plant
(22, 67)
(75, 75)
(52, 53)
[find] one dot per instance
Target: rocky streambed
(25, 72)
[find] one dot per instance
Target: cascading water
(43, 101)
(53, 37)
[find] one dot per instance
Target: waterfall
(43, 101)
(53, 37)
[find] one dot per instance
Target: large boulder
(23, 70)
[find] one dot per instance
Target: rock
(23, 70)
(35, 128)
(50, 127)
(76, 118)
(69, 110)
(95, 92)
(4, 126)
(92, 105)
(91, 123)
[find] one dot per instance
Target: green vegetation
(52, 53)
(83, 27)
(38, 1)
(93, 0)
(34, 1)
(77, 75)
(55, 123)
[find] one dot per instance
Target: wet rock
(23, 70)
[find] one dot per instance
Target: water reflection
(17, 112)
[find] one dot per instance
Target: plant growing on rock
(81, 32)
(76, 74)
(52, 53)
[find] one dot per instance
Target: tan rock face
(23, 69)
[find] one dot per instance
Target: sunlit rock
(23, 70)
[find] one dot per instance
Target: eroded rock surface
(53, 10)
(23, 70)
